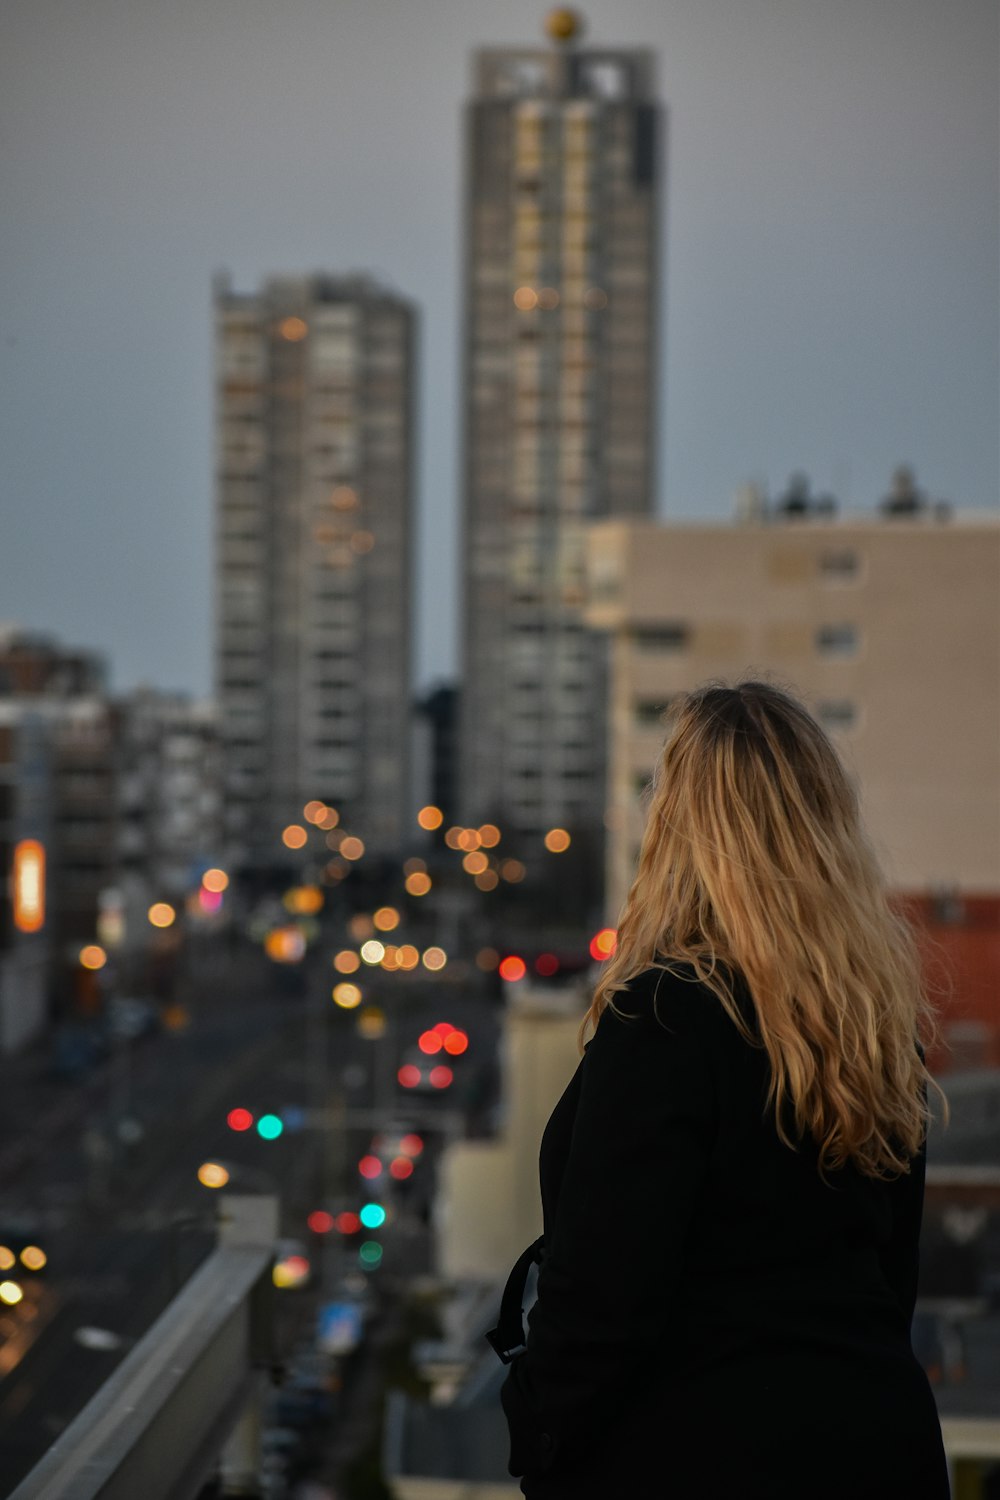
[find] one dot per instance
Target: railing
(186, 1402)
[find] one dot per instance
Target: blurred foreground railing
(185, 1403)
(973, 1448)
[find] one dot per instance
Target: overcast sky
(831, 262)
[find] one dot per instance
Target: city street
(124, 1221)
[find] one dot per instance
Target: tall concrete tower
(561, 218)
(314, 419)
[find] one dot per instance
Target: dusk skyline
(830, 264)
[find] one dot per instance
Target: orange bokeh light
(28, 881)
(603, 943)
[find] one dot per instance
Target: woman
(732, 1182)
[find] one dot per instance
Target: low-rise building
(488, 1207)
(885, 625)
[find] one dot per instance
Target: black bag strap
(507, 1338)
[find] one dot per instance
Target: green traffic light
(269, 1127)
(372, 1216)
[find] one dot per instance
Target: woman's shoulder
(653, 1044)
(671, 995)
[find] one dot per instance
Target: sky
(830, 263)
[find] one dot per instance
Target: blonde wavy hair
(754, 866)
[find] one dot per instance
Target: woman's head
(754, 863)
(750, 812)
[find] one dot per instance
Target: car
(21, 1249)
(417, 1074)
(388, 1141)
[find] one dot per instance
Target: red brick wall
(961, 952)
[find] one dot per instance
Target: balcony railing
(186, 1402)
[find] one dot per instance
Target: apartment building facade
(314, 486)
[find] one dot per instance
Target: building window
(837, 713)
(837, 640)
(673, 637)
(649, 712)
(839, 565)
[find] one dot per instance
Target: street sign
(339, 1327)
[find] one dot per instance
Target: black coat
(713, 1320)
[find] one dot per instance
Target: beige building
(454, 1446)
(488, 1202)
(888, 627)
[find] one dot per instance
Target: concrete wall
(488, 1203)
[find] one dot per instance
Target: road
(124, 1223)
